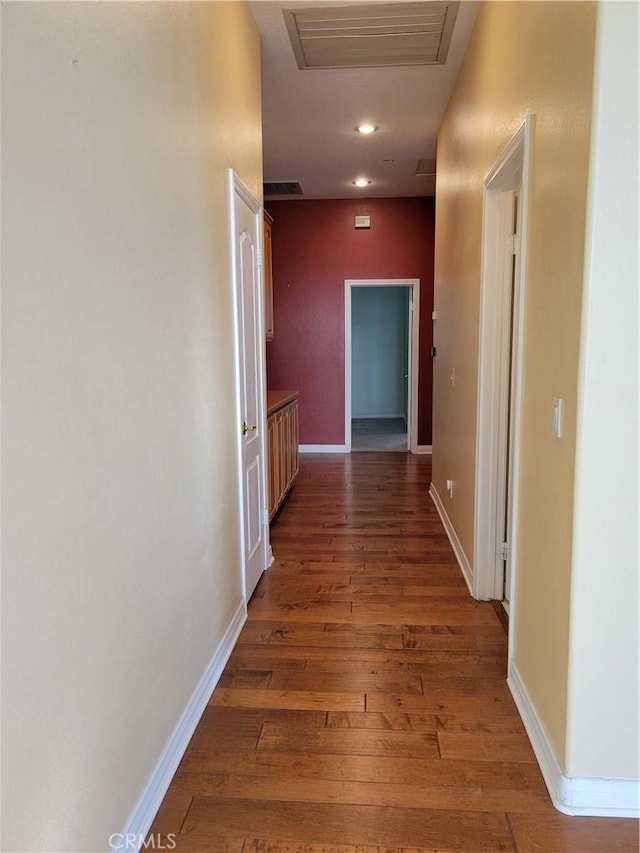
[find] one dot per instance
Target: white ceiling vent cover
(365, 36)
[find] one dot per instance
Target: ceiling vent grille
(282, 188)
(371, 35)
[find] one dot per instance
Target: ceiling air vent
(282, 188)
(370, 35)
(425, 168)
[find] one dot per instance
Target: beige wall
(121, 567)
(523, 57)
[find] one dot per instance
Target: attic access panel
(366, 36)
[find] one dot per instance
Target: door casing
(510, 171)
(413, 360)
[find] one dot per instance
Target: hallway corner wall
(604, 690)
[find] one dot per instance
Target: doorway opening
(381, 364)
(506, 190)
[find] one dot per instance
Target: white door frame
(511, 170)
(413, 354)
(237, 188)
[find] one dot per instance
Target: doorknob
(247, 428)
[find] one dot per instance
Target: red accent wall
(315, 248)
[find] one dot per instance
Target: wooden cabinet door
(295, 464)
(286, 438)
(273, 455)
(283, 453)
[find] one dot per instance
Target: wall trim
(500, 388)
(322, 448)
(144, 812)
(458, 550)
(572, 795)
(549, 765)
(341, 448)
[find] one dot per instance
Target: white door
(247, 242)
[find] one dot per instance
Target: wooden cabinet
(282, 431)
(268, 278)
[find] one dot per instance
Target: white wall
(602, 727)
(379, 321)
(120, 553)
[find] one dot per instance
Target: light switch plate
(558, 411)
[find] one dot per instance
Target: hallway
(365, 709)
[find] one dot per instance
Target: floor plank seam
(512, 832)
(186, 814)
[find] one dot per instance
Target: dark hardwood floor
(364, 709)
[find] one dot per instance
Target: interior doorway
(381, 360)
(506, 189)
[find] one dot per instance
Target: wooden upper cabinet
(268, 278)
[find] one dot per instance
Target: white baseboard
(549, 765)
(322, 448)
(458, 550)
(145, 810)
(573, 795)
(423, 448)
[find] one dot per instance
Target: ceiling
(310, 116)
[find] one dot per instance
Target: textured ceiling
(309, 117)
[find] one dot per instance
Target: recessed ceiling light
(366, 129)
(361, 182)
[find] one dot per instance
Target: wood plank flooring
(365, 709)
